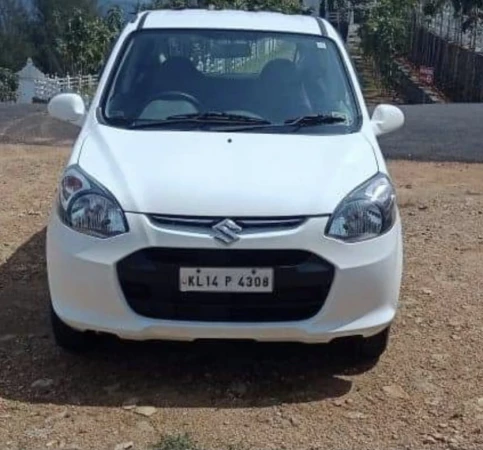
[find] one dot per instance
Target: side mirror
(68, 108)
(386, 119)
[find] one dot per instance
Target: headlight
(367, 212)
(89, 208)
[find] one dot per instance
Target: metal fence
(448, 25)
(457, 68)
(46, 88)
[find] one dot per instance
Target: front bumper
(87, 295)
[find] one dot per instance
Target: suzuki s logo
(227, 231)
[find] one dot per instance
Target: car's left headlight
(367, 212)
(87, 207)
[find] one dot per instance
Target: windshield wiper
(215, 116)
(317, 119)
(232, 120)
(299, 122)
(139, 124)
(198, 118)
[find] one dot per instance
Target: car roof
(233, 20)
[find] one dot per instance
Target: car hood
(226, 174)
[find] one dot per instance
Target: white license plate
(225, 280)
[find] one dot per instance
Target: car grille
(149, 280)
(247, 224)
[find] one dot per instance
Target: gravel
(425, 393)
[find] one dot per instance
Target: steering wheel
(178, 95)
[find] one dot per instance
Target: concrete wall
(410, 88)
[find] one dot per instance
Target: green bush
(385, 34)
(8, 85)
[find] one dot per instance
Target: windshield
(224, 79)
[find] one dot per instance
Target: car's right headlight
(87, 207)
(367, 212)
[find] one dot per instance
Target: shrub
(8, 85)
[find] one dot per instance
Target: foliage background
(73, 36)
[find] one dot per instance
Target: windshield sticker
(321, 45)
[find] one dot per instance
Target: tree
(114, 20)
(85, 40)
(8, 85)
(385, 33)
(466, 7)
(15, 44)
(470, 11)
(49, 24)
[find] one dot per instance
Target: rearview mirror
(386, 119)
(68, 108)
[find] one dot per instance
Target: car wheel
(68, 338)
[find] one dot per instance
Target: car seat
(282, 93)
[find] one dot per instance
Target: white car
(226, 183)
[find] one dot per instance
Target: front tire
(69, 339)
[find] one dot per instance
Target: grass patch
(176, 442)
(185, 442)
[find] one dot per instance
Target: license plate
(225, 280)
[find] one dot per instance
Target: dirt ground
(425, 393)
